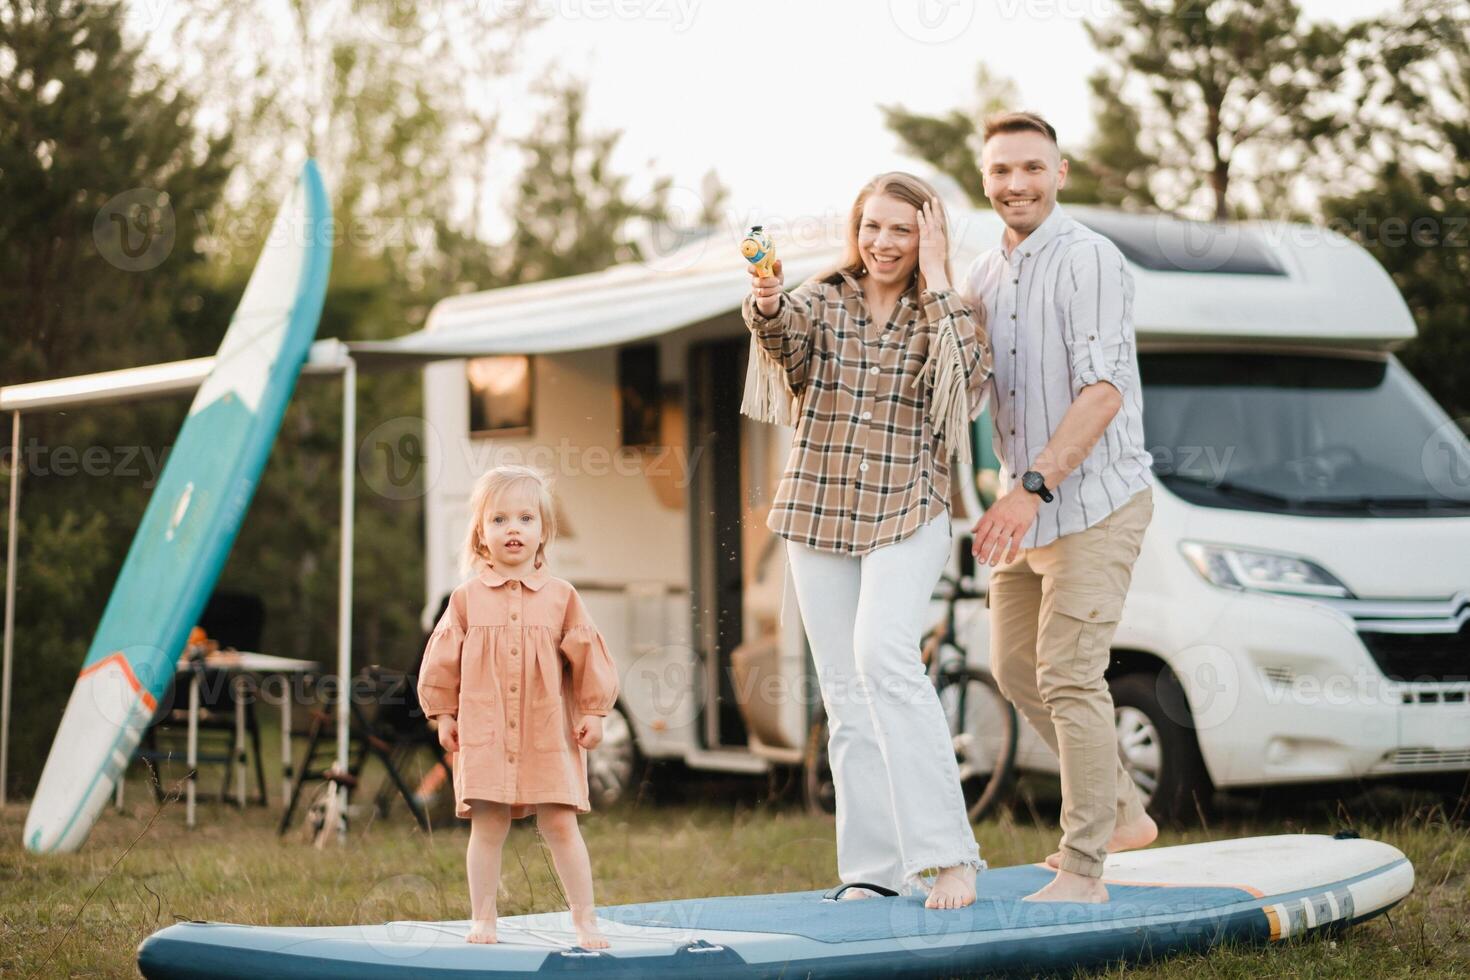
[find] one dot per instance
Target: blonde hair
(906, 188)
(475, 554)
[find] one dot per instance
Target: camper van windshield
(1302, 434)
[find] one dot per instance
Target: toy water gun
(759, 251)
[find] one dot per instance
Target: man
(1076, 487)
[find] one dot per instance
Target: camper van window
(1165, 244)
(500, 394)
(639, 394)
(1310, 435)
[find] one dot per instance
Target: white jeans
(900, 809)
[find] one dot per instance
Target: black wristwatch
(1036, 483)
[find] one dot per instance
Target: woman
(879, 365)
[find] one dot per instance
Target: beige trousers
(1053, 612)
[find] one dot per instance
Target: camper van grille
(1421, 657)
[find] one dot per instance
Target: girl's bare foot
(857, 893)
(1130, 837)
(954, 888)
(1069, 887)
(482, 931)
(588, 935)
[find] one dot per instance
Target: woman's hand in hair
(933, 248)
(767, 290)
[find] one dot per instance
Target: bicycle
(982, 723)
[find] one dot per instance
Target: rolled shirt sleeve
(1096, 292)
(438, 683)
(594, 675)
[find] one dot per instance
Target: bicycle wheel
(984, 727)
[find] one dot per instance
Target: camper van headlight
(1261, 571)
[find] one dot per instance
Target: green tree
(572, 213)
(1405, 144)
(103, 175)
(1217, 90)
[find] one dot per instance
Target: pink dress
(518, 662)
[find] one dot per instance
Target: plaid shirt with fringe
(878, 413)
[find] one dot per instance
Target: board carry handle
(833, 894)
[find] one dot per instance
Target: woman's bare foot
(1140, 833)
(954, 888)
(1069, 887)
(588, 935)
(482, 931)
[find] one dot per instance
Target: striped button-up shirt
(866, 468)
(1060, 310)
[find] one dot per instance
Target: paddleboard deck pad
(189, 524)
(1163, 901)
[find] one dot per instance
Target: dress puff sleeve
(594, 675)
(438, 685)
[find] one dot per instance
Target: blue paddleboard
(1164, 901)
(190, 522)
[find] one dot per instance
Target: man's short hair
(1018, 122)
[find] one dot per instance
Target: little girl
(518, 680)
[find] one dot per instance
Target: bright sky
(781, 97)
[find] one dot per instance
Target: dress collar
(1039, 238)
(493, 577)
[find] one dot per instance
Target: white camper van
(1301, 607)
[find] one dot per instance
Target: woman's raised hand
(933, 248)
(767, 289)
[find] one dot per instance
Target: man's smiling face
(1023, 172)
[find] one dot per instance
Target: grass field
(84, 914)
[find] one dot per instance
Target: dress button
(1013, 350)
(514, 616)
(863, 467)
(514, 586)
(512, 689)
(512, 724)
(1091, 336)
(1013, 432)
(867, 415)
(1016, 281)
(1013, 392)
(1013, 316)
(873, 369)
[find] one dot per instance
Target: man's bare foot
(1069, 887)
(482, 931)
(588, 935)
(1140, 833)
(954, 888)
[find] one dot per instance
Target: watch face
(1031, 481)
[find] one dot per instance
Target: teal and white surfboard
(190, 522)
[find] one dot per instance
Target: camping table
(238, 663)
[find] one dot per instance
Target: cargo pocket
(1093, 618)
(479, 719)
(548, 725)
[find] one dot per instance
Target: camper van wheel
(1157, 741)
(614, 764)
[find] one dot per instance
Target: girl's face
(512, 528)
(888, 239)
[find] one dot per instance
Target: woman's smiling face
(888, 239)
(512, 528)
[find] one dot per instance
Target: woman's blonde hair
(475, 554)
(907, 188)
